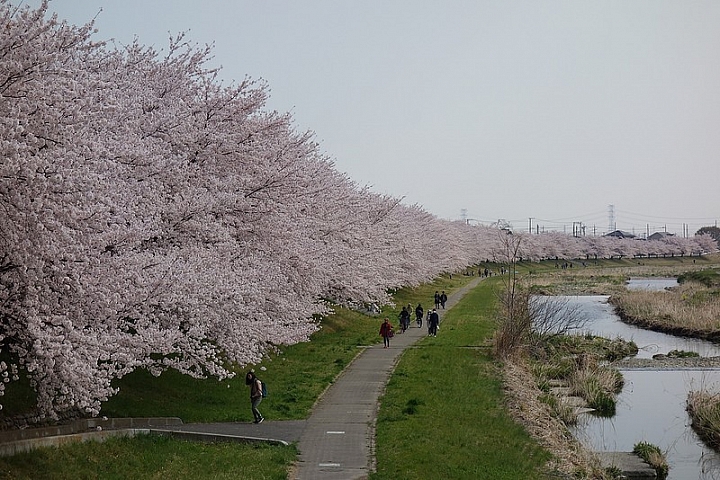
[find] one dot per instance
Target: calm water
(651, 283)
(601, 320)
(651, 406)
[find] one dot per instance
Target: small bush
(704, 411)
(654, 457)
(597, 385)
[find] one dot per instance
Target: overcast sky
(543, 113)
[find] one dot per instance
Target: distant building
(660, 235)
(620, 234)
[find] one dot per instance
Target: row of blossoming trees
(151, 217)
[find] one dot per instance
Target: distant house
(620, 234)
(660, 235)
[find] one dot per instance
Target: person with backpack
(256, 394)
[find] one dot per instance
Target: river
(651, 406)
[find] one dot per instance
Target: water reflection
(602, 321)
(651, 406)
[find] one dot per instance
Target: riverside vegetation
(491, 420)
(691, 309)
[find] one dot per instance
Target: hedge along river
(651, 406)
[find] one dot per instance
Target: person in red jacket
(386, 331)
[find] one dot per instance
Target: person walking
(255, 394)
(443, 299)
(433, 322)
(437, 299)
(404, 319)
(419, 315)
(386, 331)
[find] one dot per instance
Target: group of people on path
(440, 299)
(433, 320)
(386, 331)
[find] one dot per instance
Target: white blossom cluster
(151, 217)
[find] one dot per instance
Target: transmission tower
(611, 218)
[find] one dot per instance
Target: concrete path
(337, 440)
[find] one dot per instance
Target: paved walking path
(337, 441)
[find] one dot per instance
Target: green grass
(150, 457)
(654, 457)
(442, 415)
(295, 376)
(710, 278)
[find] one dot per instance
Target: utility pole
(530, 219)
(578, 229)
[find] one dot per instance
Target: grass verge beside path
(151, 457)
(296, 376)
(443, 413)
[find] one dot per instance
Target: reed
(704, 410)
(598, 385)
(689, 309)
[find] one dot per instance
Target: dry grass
(598, 386)
(689, 308)
(524, 403)
(704, 410)
(605, 280)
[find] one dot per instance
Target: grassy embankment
(443, 415)
(471, 431)
(297, 376)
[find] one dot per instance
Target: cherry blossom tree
(151, 217)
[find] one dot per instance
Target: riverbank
(460, 356)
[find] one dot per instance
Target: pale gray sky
(509, 109)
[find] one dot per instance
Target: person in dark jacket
(404, 319)
(433, 322)
(255, 394)
(419, 311)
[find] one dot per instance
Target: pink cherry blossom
(151, 217)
